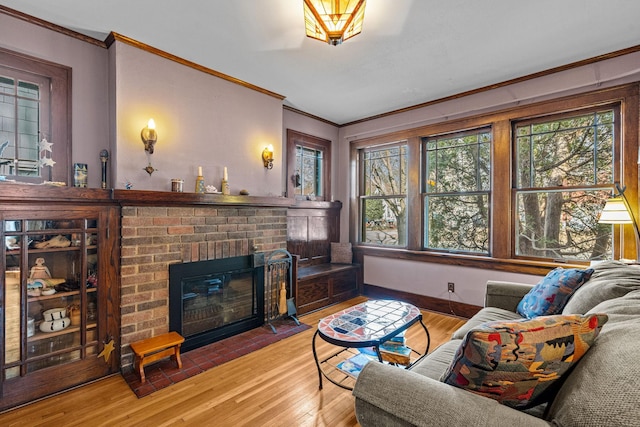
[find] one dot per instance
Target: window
(24, 111)
(564, 174)
(456, 185)
(521, 188)
(308, 177)
(384, 195)
(308, 166)
(34, 119)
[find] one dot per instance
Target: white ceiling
(409, 52)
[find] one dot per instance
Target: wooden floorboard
(274, 386)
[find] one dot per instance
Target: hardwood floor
(275, 386)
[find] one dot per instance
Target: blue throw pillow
(551, 294)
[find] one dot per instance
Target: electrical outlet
(451, 287)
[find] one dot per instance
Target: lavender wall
(201, 120)
(90, 99)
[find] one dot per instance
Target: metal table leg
(315, 357)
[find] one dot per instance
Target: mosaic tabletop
(368, 323)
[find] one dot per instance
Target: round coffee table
(369, 324)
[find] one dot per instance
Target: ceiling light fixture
(333, 21)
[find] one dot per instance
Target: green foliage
(373, 210)
(562, 171)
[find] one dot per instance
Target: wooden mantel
(168, 198)
(16, 193)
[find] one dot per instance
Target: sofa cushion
(486, 314)
(602, 389)
(516, 363)
(610, 279)
(436, 363)
(551, 293)
(621, 309)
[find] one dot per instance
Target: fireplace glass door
(215, 300)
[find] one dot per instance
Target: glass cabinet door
(51, 293)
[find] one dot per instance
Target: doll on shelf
(39, 271)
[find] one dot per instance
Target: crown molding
(48, 25)
(113, 37)
(554, 70)
(303, 113)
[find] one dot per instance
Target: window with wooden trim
(34, 119)
(564, 173)
(308, 166)
(516, 185)
(383, 195)
(456, 187)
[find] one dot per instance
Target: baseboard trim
(430, 303)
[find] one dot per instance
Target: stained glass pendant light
(333, 21)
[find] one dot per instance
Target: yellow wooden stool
(151, 349)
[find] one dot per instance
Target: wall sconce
(267, 156)
(149, 138)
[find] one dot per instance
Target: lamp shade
(615, 212)
(333, 21)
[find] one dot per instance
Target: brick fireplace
(153, 237)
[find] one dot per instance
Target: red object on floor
(164, 373)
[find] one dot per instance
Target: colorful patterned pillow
(551, 293)
(516, 362)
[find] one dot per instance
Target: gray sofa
(601, 390)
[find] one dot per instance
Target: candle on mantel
(199, 181)
(225, 183)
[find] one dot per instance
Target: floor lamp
(618, 211)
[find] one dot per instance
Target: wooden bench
(151, 349)
(320, 285)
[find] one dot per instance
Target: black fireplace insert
(215, 299)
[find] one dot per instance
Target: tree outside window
(457, 183)
(564, 174)
(523, 187)
(384, 195)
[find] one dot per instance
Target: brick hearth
(154, 237)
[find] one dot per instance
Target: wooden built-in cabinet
(311, 227)
(59, 294)
(325, 284)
